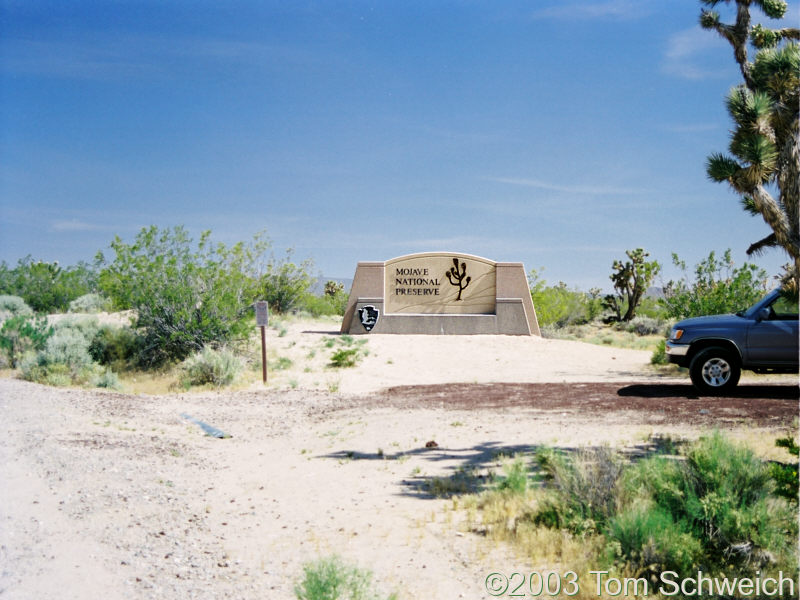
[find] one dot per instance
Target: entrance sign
(440, 284)
(440, 293)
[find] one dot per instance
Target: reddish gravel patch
(665, 403)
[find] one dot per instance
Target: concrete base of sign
(510, 319)
(513, 312)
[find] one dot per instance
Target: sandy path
(393, 360)
(116, 496)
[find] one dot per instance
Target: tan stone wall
(496, 300)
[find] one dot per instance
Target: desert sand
(112, 495)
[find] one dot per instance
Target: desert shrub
(65, 357)
(349, 350)
(209, 366)
(559, 306)
(47, 287)
(515, 478)
(641, 325)
(582, 488)
(281, 363)
(714, 508)
(648, 539)
(44, 367)
(785, 475)
(22, 334)
(89, 303)
(67, 346)
(86, 326)
(723, 496)
(117, 347)
(13, 306)
(717, 288)
(333, 579)
(106, 379)
(285, 284)
(659, 356)
(345, 357)
(325, 305)
(551, 332)
(186, 295)
(33, 368)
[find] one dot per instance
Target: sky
(558, 133)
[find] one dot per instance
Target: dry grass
(608, 335)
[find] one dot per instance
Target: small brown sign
(262, 314)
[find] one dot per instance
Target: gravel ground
(108, 495)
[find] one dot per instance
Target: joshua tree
(631, 280)
(456, 277)
(764, 158)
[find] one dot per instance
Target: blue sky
(556, 133)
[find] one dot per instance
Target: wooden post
(263, 355)
(262, 320)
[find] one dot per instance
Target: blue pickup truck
(715, 349)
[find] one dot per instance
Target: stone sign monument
(440, 293)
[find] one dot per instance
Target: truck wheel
(715, 370)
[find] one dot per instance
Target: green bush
(717, 508)
(659, 356)
(582, 488)
(89, 303)
(106, 379)
(284, 285)
(22, 334)
(47, 287)
(785, 475)
(209, 366)
(647, 538)
(13, 306)
(722, 495)
(186, 295)
(117, 347)
(332, 579)
(515, 478)
(64, 357)
(641, 325)
(69, 347)
(345, 357)
(326, 305)
(86, 326)
(560, 306)
(718, 288)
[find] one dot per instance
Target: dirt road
(108, 495)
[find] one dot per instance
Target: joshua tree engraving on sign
(456, 277)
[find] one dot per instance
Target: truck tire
(715, 370)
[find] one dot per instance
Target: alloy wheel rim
(716, 372)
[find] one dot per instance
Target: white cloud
(697, 54)
(593, 189)
(75, 225)
(689, 127)
(105, 57)
(609, 9)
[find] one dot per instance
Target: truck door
(774, 340)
